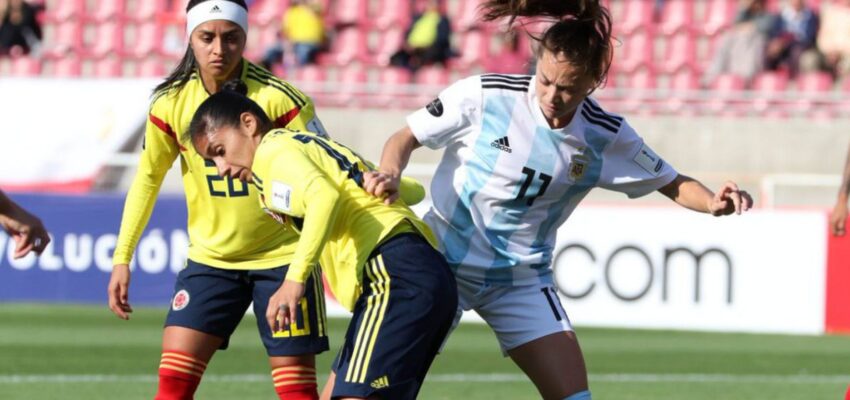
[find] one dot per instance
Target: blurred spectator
(428, 38)
(833, 52)
(303, 30)
(742, 48)
(20, 33)
(796, 32)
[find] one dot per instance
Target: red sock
(179, 376)
(847, 395)
(295, 382)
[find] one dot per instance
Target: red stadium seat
(681, 53)
(144, 10)
(108, 68)
(719, 15)
(66, 67)
(349, 45)
(59, 11)
(25, 67)
(636, 52)
(466, 16)
(108, 38)
(392, 14)
(310, 74)
(727, 97)
(146, 40)
(264, 12)
(813, 88)
(389, 42)
(105, 10)
(682, 85)
(474, 49)
(770, 86)
(433, 79)
(394, 86)
(676, 16)
(151, 68)
(636, 16)
(62, 38)
(349, 12)
(351, 85)
(641, 85)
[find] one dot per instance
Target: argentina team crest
(578, 165)
(180, 301)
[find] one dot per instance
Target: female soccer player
(520, 154)
(236, 255)
(380, 260)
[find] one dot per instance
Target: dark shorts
(408, 303)
(213, 300)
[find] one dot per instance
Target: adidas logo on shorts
(502, 144)
(380, 383)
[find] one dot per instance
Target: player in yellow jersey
(237, 255)
(379, 259)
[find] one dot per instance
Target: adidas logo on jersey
(381, 382)
(502, 144)
(215, 9)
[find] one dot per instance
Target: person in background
(20, 32)
(428, 38)
(796, 32)
(303, 29)
(26, 229)
(742, 49)
(833, 43)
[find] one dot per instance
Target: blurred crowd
(20, 32)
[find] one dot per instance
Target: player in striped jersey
(380, 260)
(237, 255)
(520, 154)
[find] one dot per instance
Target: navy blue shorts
(213, 300)
(408, 303)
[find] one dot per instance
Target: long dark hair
(184, 70)
(582, 31)
(225, 108)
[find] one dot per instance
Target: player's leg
(408, 303)
(207, 306)
(534, 330)
(292, 353)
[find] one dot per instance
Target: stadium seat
(59, 11)
(636, 16)
(466, 16)
(676, 16)
(719, 15)
(145, 41)
(110, 67)
(25, 67)
(392, 14)
(62, 38)
(636, 52)
(347, 13)
(389, 41)
(105, 10)
(770, 87)
(683, 86)
(173, 13)
(394, 87)
(474, 49)
(814, 87)
(348, 45)
(66, 67)
(104, 39)
(151, 68)
(264, 12)
(351, 85)
(681, 53)
(144, 10)
(727, 95)
(641, 85)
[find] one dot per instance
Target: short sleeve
(450, 116)
(630, 166)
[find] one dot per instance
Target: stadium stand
(662, 52)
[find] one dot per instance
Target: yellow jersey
(226, 229)
(303, 24)
(313, 186)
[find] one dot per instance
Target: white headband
(216, 10)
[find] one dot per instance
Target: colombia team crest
(181, 300)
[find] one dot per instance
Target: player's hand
(119, 286)
(382, 185)
(729, 199)
(283, 305)
(27, 231)
(838, 219)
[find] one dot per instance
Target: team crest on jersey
(180, 301)
(578, 165)
(435, 107)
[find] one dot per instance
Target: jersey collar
(540, 119)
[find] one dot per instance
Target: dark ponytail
(224, 109)
(581, 32)
(184, 70)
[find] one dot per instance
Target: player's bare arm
(394, 159)
(692, 194)
(838, 219)
(26, 229)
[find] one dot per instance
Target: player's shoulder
(505, 84)
(263, 85)
(170, 96)
(594, 115)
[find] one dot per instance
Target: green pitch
(53, 352)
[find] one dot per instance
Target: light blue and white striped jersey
(507, 181)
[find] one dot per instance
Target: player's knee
(583, 395)
(179, 375)
(295, 382)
